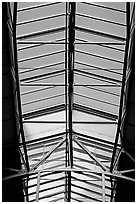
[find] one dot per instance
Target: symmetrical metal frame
(70, 136)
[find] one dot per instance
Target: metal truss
(70, 137)
(104, 172)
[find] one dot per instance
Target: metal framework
(105, 85)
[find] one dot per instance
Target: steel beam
(103, 187)
(66, 104)
(123, 85)
(74, 122)
(47, 155)
(40, 33)
(38, 187)
(71, 40)
(31, 172)
(90, 154)
(94, 32)
(104, 7)
(37, 6)
(128, 155)
(40, 19)
(46, 84)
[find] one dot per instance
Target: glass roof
(100, 41)
(97, 65)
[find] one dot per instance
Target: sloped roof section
(44, 47)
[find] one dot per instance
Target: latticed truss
(73, 69)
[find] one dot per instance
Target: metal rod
(94, 32)
(37, 90)
(98, 56)
(100, 19)
(123, 85)
(46, 84)
(39, 44)
(43, 76)
(38, 187)
(31, 172)
(94, 99)
(57, 42)
(75, 122)
(40, 19)
(129, 155)
(38, 68)
(103, 187)
(105, 7)
(37, 6)
(90, 154)
(17, 85)
(99, 77)
(18, 95)
(103, 91)
(47, 155)
(99, 68)
(66, 92)
(40, 56)
(40, 33)
(127, 171)
(42, 99)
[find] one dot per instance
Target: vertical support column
(66, 101)
(71, 39)
(38, 187)
(18, 96)
(71, 74)
(122, 92)
(103, 187)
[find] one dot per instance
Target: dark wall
(12, 189)
(125, 190)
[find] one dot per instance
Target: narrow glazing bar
(75, 122)
(86, 196)
(43, 99)
(86, 189)
(103, 187)
(99, 68)
(94, 99)
(91, 76)
(37, 6)
(105, 35)
(38, 187)
(105, 7)
(90, 42)
(42, 76)
(34, 91)
(99, 76)
(46, 84)
(113, 48)
(98, 56)
(56, 42)
(40, 56)
(40, 42)
(103, 91)
(40, 19)
(40, 33)
(100, 19)
(31, 69)
(41, 84)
